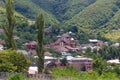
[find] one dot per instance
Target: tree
(12, 61)
(9, 27)
(99, 65)
(64, 61)
(40, 36)
(82, 37)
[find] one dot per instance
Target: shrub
(108, 75)
(17, 77)
(12, 61)
(65, 71)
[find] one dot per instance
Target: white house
(116, 61)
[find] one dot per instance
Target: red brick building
(81, 63)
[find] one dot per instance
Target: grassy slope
(3, 15)
(30, 10)
(113, 35)
(114, 23)
(95, 15)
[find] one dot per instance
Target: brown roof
(60, 48)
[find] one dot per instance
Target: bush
(16, 77)
(108, 75)
(65, 71)
(12, 61)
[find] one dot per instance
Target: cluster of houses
(66, 45)
(80, 63)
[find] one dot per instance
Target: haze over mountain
(84, 14)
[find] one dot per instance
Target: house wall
(79, 65)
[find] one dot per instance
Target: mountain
(92, 16)
(63, 9)
(88, 15)
(30, 10)
(96, 14)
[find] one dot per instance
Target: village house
(115, 61)
(81, 63)
(31, 45)
(93, 45)
(64, 43)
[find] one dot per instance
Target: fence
(4, 76)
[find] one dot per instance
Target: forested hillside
(28, 9)
(96, 15)
(87, 15)
(63, 9)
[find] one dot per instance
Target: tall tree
(40, 48)
(9, 27)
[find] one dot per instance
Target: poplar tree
(40, 48)
(9, 27)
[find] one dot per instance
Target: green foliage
(99, 65)
(90, 75)
(83, 37)
(88, 50)
(109, 52)
(7, 67)
(65, 71)
(40, 36)
(30, 10)
(63, 9)
(113, 35)
(96, 14)
(10, 42)
(117, 69)
(17, 77)
(92, 16)
(12, 61)
(108, 75)
(63, 61)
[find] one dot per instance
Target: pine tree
(9, 27)
(40, 36)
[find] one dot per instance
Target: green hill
(63, 9)
(28, 9)
(95, 15)
(19, 17)
(114, 23)
(113, 35)
(92, 16)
